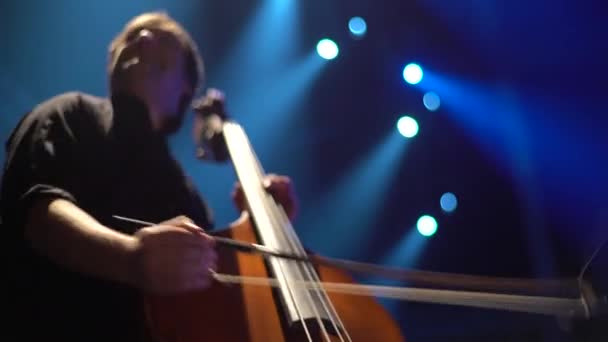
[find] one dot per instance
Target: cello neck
(250, 173)
(274, 230)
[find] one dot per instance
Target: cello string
(270, 209)
(325, 300)
(280, 219)
(289, 288)
(266, 201)
(278, 216)
(260, 195)
(307, 269)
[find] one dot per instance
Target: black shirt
(101, 154)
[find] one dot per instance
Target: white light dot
(327, 49)
(426, 225)
(412, 73)
(407, 126)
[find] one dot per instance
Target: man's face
(151, 64)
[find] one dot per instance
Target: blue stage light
(407, 126)
(327, 49)
(448, 202)
(357, 26)
(412, 73)
(426, 225)
(431, 101)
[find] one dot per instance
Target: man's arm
(42, 187)
(66, 234)
(171, 257)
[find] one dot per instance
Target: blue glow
(431, 101)
(349, 218)
(412, 73)
(407, 126)
(427, 225)
(448, 202)
(357, 26)
(327, 49)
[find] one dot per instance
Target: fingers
(197, 255)
(177, 236)
(189, 225)
(195, 273)
(272, 183)
(276, 183)
(281, 188)
(238, 197)
(175, 256)
(196, 262)
(176, 260)
(196, 282)
(199, 282)
(176, 221)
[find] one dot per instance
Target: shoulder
(70, 105)
(73, 111)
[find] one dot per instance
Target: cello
(249, 312)
(282, 292)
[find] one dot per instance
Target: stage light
(327, 49)
(448, 202)
(357, 26)
(431, 101)
(407, 126)
(412, 73)
(426, 225)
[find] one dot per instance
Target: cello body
(244, 312)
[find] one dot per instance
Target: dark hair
(161, 20)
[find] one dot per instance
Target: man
(76, 160)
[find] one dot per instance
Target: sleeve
(41, 157)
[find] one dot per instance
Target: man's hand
(173, 256)
(281, 189)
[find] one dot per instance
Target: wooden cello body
(257, 313)
(252, 312)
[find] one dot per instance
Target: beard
(173, 121)
(172, 124)
(124, 80)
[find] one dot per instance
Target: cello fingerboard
(304, 309)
